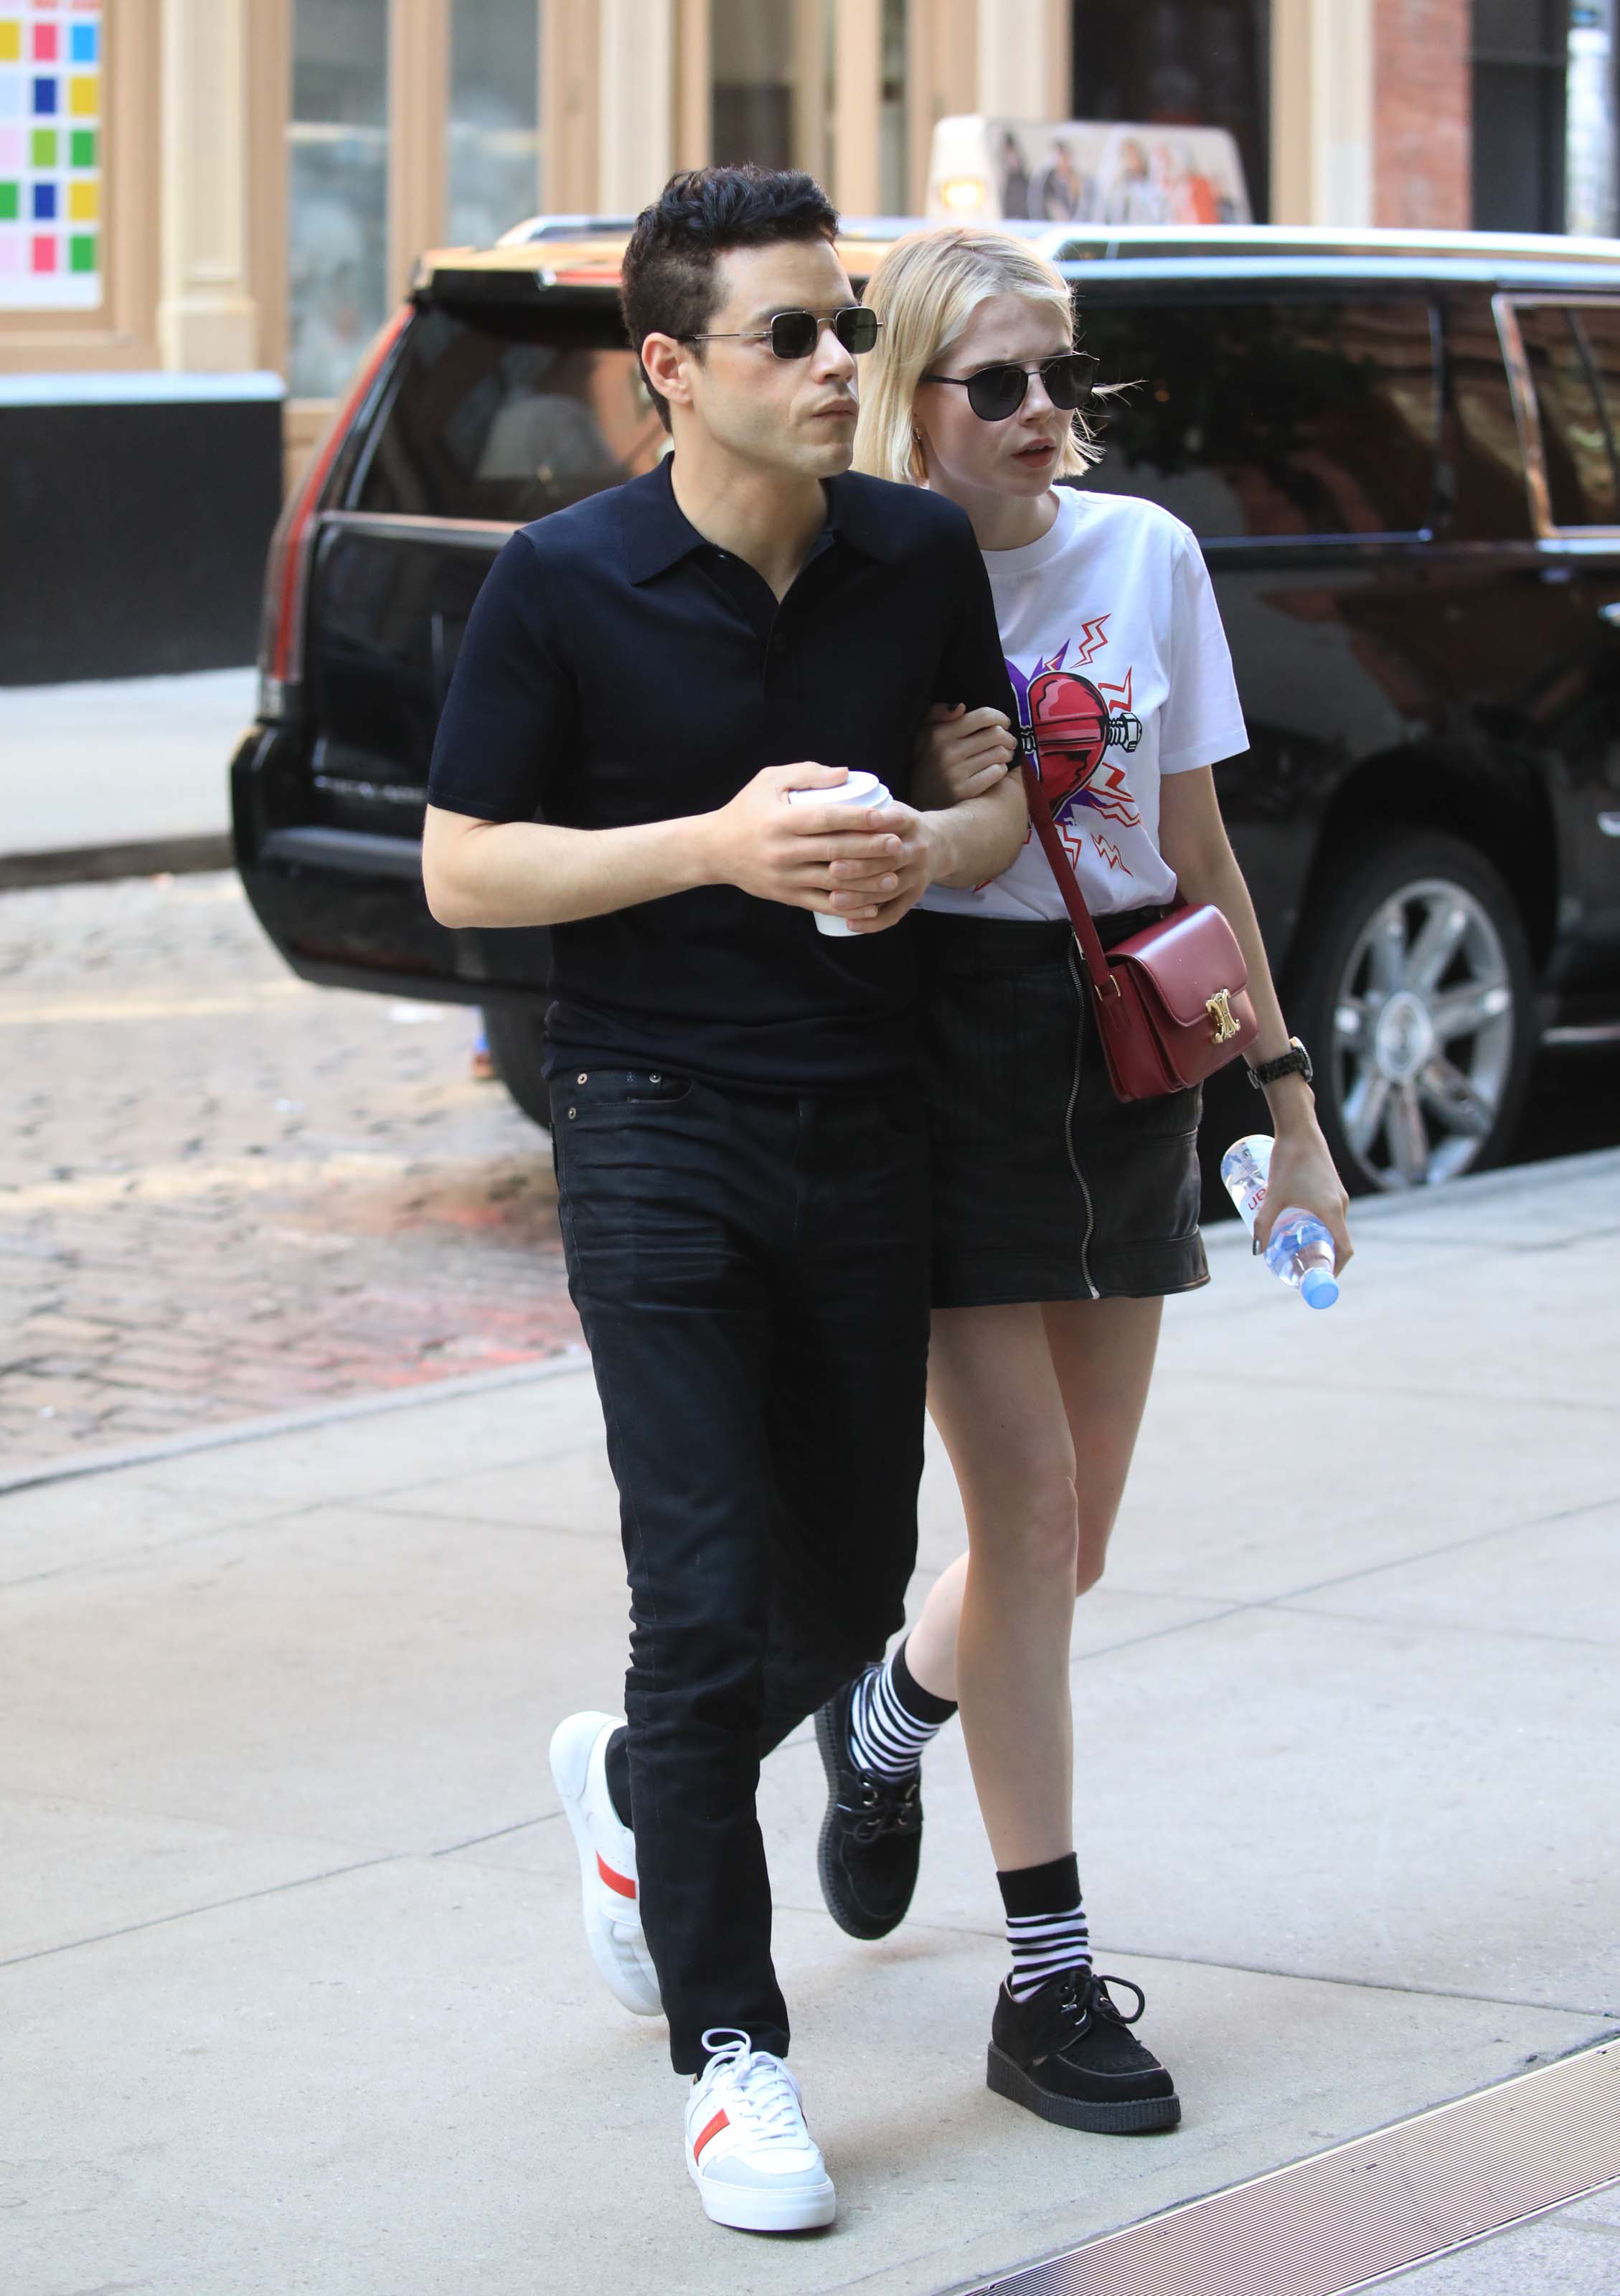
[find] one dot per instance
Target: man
(741, 1170)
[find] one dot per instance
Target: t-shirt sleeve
(1203, 718)
(509, 723)
(972, 666)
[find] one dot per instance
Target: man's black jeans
(751, 1272)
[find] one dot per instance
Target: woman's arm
(1192, 838)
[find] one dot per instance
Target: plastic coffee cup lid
(862, 789)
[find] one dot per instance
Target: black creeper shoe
(1067, 2055)
(871, 1836)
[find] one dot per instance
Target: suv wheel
(516, 1037)
(1416, 996)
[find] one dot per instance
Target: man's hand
(960, 753)
(874, 897)
(789, 853)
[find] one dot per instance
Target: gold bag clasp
(1219, 1009)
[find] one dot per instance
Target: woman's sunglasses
(795, 334)
(996, 392)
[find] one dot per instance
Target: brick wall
(1421, 109)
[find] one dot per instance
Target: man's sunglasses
(795, 334)
(996, 392)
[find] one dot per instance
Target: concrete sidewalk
(123, 762)
(294, 1988)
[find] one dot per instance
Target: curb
(85, 864)
(290, 1423)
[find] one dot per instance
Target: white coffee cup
(859, 794)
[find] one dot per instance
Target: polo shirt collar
(658, 533)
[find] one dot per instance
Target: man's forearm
(533, 872)
(980, 837)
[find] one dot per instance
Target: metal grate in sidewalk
(1345, 2219)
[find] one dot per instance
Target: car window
(1271, 418)
(1598, 326)
(491, 419)
(1481, 446)
(1575, 448)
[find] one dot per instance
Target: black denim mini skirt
(1046, 1187)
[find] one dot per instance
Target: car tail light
(281, 638)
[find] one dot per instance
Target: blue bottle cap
(1318, 1288)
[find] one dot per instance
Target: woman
(1062, 1216)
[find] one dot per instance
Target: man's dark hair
(668, 286)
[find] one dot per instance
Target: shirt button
(582, 1078)
(573, 1112)
(654, 1078)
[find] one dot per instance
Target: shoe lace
(1081, 1999)
(881, 1805)
(760, 2082)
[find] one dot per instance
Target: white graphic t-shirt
(1121, 673)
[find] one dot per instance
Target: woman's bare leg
(1101, 1353)
(996, 1397)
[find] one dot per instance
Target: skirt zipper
(1068, 1133)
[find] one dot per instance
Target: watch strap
(1295, 1061)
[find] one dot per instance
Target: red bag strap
(1068, 884)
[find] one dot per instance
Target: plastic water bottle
(1301, 1251)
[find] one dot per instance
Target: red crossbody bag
(1172, 1003)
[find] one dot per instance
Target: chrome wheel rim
(1423, 1028)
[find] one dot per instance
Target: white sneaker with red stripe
(755, 2164)
(607, 1861)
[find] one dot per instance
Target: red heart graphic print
(1070, 720)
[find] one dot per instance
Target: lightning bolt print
(1092, 639)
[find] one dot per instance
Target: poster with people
(1085, 171)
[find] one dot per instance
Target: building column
(1423, 107)
(942, 42)
(570, 79)
(857, 90)
(636, 79)
(418, 100)
(419, 97)
(1321, 112)
(206, 318)
(694, 100)
(1026, 59)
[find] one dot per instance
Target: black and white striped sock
(892, 1717)
(1046, 1929)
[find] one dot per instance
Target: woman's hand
(960, 753)
(1304, 1175)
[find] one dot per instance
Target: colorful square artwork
(52, 63)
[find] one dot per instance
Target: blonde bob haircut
(925, 291)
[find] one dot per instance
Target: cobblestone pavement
(225, 1194)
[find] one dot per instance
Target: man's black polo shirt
(619, 668)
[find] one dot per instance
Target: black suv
(1399, 454)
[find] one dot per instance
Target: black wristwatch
(1295, 1061)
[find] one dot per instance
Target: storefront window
(337, 162)
(753, 51)
(1184, 63)
(50, 156)
(1591, 206)
(493, 177)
